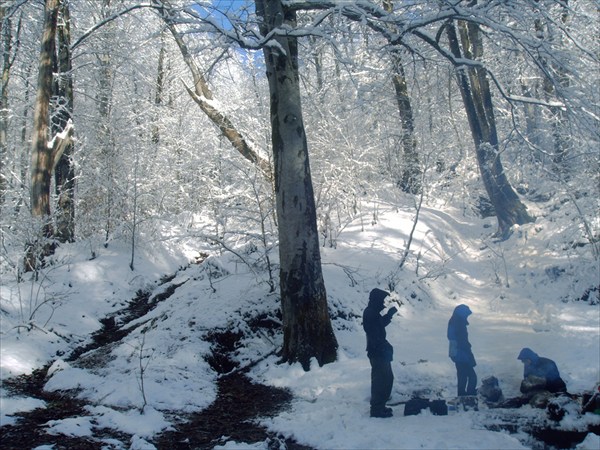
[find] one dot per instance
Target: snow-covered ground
(522, 293)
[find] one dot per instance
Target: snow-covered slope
(523, 293)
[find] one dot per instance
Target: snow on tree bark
(41, 163)
(306, 324)
(64, 173)
(45, 155)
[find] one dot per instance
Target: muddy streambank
(234, 414)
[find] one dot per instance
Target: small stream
(233, 415)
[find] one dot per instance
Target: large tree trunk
(42, 161)
(64, 175)
(42, 156)
(306, 324)
(477, 98)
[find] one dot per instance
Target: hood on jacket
(527, 353)
(376, 298)
(462, 311)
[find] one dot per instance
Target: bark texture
(306, 323)
(64, 173)
(410, 178)
(42, 155)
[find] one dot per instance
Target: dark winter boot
(385, 412)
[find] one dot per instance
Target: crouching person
(541, 378)
(379, 351)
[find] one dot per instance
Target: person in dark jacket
(379, 351)
(460, 351)
(539, 373)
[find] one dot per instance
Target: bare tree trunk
(533, 119)
(477, 98)
(64, 175)
(45, 155)
(23, 162)
(105, 138)
(160, 81)
(317, 56)
(410, 180)
(41, 163)
(8, 56)
(42, 157)
(307, 330)
(555, 80)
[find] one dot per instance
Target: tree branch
(116, 15)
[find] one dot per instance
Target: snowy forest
(191, 190)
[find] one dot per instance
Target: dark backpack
(414, 407)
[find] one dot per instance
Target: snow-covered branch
(109, 19)
(60, 142)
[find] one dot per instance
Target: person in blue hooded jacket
(379, 351)
(539, 373)
(460, 351)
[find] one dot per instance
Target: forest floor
(231, 416)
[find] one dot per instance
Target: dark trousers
(467, 379)
(382, 379)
